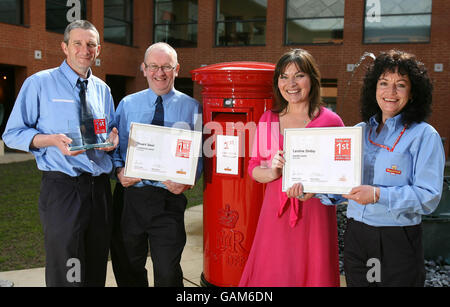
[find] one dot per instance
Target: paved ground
(192, 259)
(191, 262)
(15, 157)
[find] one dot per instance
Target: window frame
(21, 13)
(128, 23)
(216, 23)
(85, 2)
(155, 25)
(364, 16)
(286, 20)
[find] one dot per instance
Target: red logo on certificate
(183, 148)
(342, 149)
(100, 126)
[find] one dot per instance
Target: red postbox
(235, 95)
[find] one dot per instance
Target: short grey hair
(162, 46)
(80, 24)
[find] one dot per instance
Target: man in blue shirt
(75, 199)
(153, 212)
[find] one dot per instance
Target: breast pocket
(140, 117)
(393, 169)
(58, 114)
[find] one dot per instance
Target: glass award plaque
(89, 134)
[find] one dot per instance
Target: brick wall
(333, 59)
(17, 45)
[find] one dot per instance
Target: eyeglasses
(155, 68)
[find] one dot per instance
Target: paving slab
(191, 260)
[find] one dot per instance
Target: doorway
(7, 94)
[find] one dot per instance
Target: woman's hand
(276, 168)
(296, 191)
(363, 194)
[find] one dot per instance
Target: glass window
(241, 22)
(314, 21)
(11, 11)
(397, 21)
(176, 22)
(59, 13)
(118, 27)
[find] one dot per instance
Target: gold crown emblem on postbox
(227, 217)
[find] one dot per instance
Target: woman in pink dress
(295, 242)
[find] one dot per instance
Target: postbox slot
(234, 117)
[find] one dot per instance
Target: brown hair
(307, 64)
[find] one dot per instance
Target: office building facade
(337, 32)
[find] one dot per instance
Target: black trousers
(121, 265)
(152, 217)
(76, 214)
(383, 256)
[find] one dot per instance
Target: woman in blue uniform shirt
(403, 173)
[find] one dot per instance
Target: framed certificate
(162, 153)
(227, 154)
(324, 160)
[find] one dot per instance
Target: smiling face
(81, 50)
(294, 85)
(160, 81)
(393, 93)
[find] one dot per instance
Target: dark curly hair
(418, 107)
(306, 63)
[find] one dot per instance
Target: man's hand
(126, 181)
(112, 138)
(59, 140)
(176, 188)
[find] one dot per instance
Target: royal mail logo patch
(393, 170)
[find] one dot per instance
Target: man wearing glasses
(153, 211)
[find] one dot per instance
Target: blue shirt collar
(392, 123)
(165, 97)
(71, 75)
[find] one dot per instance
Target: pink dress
(295, 242)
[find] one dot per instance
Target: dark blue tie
(86, 119)
(158, 118)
